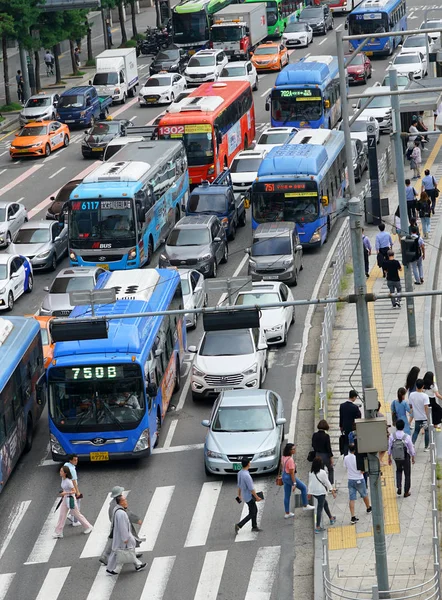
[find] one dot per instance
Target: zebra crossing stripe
(5, 583)
(45, 544)
(211, 573)
(14, 521)
(263, 573)
(246, 534)
(53, 583)
(154, 517)
(103, 585)
(203, 514)
(158, 577)
(96, 541)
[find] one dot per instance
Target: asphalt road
(192, 551)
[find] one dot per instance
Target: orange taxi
(48, 344)
(39, 138)
(271, 56)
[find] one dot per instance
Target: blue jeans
(418, 269)
(425, 224)
(417, 427)
(288, 483)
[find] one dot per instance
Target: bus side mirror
(327, 103)
(219, 137)
(324, 200)
(346, 25)
(267, 104)
(41, 390)
(152, 390)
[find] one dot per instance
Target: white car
(242, 70)
(410, 62)
(274, 136)
(205, 65)
(297, 34)
(161, 89)
(416, 43)
(244, 168)
(402, 81)
(379, 107)
(228, 360)
(12, 217)
(432, 24)
(358, 129)
(276, 321)
(16, 278)
(193, 288)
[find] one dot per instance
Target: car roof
(238, 63)
(207, 52)
(244, 398)
(77, 272)
(262, 285)
(43, 224)
(197, 220)
(5, 258)
(5, 203)
(250, 154)
(269, 44)
(279, 130)
(45, 95)
(40, 122)
(275, 228)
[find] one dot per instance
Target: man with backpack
(401, 450)
(417, 265)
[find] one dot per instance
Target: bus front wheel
(177, 377)
(149, 251)
(29, 434)
(157, 439)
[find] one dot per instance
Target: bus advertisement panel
(370, 18)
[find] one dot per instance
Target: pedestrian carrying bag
(311, 455)
(71, 502)
(278, 479)
(125, 556)
(408, 153)
(398, 450)
(394, 414)
(436, 190)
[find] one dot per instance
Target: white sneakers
(88, 530)
(57, 535)
(76, 523)
(308, 507)
(289, 516)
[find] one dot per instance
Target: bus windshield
(226, 33)
(300, 207)
(96, 397)
(199, 147)
(368, 23)
(190, 27)
(103, 220)
(301, 104)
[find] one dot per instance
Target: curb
(7, 123)
(428, 305)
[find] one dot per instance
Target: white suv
(228, 360)
(205, 65)
(244, 168)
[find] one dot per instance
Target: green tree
(109, 4)
(134, 19)
(6, 29)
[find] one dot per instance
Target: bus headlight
(316, 237)
(211, 170)
(143, 441)
(56, 447)
(132, 254)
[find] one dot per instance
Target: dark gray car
(198, 242)
(319, 18)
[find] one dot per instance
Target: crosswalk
(210, 569)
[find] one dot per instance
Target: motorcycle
(150, 46)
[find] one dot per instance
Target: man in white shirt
(356, 483)
(419, 402)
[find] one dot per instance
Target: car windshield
(431, 25)
(275, 246)
(311, 13)
(37, 102)
(402, 81)
(64, 285)
(202, 61)
(207, 203)
(295, 28)
(406, 59)
(32, 236)
(2, 214)
(168, 55)
(245, 165)
(379, 102)
(414, 41)
(188, 236)
(230, 342)
(242, 419)
(104, 128)
(264, 50)
(44, 337)
(273, 138)
(73, 101)
(359, 126)
(232, 71)
(158, 81)
(185, 288)
(256, 299)
(33, 131)
(226, 34)
(3, 271)
(107, 397)
(105, 79)
(358, 59)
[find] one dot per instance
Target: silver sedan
(43, 242)
(12, 217)
(193, 287)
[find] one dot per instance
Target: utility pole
(104, 24)
(380, 547)
(24, 72)
(400, 175)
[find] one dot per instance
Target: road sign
(93, 297)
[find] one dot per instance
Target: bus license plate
(237, 466)
(223, 389)
(99, 456)
(103, 266)
(368, 53)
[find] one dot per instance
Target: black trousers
(432, 196)
(403, 466)
(411, 208)
(366, 262)
(253, 511)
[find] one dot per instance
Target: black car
(319, 18)
(360, 159)
(60, 201)
(96, 139)
(170, 60)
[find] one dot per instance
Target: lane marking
(172, 449)
(103, 585)
(12, 184)
(17, 514)
(172, 426)
(5, 583)
(133, 118)
(247, 535)
(20, 199)
(3, 153)
(185, 389)
(210, 578)
(10, 133)
(266, 92)
(158, 577)
(202, 517)
(235, 274)
(263, 573)
(324, 40)
(2, 171)
(45, 544)
(154, 517)
(53, 583)
(56, 173)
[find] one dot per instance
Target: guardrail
(339, 260)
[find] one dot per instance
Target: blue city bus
(307, 94)
(21, 358)
(378, 16)
(302, 181)
(122, 211)
(108, 397)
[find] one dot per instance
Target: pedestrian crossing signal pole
(359, 298)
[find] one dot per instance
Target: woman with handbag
(322, 447)
(123, 542)
(291, 482)
(399, 410)
(318, 487)
(69, 503)
(423, 206)
(431, 389)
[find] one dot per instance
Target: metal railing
(339, 260)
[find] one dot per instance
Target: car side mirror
(217, 239)
(158, 352)
(267, 104)
(46, 288)
(192, 349)
(55, 103)
(299, 248)
(281, 421)
(152, 390)
(41, 390)
(354, 105)
(248, 250)
(346, 25)
(205, 423)
(14, 276)
(11, 218)
(262, 346)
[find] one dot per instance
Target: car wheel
(225, 257)
(324, 31)
(172, 97)
(263, 373)
(177, 377)
(370, 73)
(214, 269)
(295, 279)
(232, 231)
(206, 470)
(10, 301)
(358, 175)
(243, 219)
(30, 287)
(123, 101)
(8, 239)
(47, 150)
(66, 141)
(284, 339)
(255, 87)
(158, 423)
(364, 81)
(53, 263)
(293, 316)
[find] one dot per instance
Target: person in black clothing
(348, 412)
(321, 445)
(392, 267)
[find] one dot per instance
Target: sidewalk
(408, 522)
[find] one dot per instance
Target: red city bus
(342, 6)
(215, 122)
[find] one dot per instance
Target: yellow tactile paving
(364, 534)
(340, 538)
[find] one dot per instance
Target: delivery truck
(239, 28)
(116, 74)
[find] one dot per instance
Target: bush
(90, 63)
(11, 107)
(138, 37)
(129, 44)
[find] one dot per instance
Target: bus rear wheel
(177, 376)
(149, 251)
(29, 434)
(157, 434)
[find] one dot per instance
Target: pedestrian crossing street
(209, 569)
